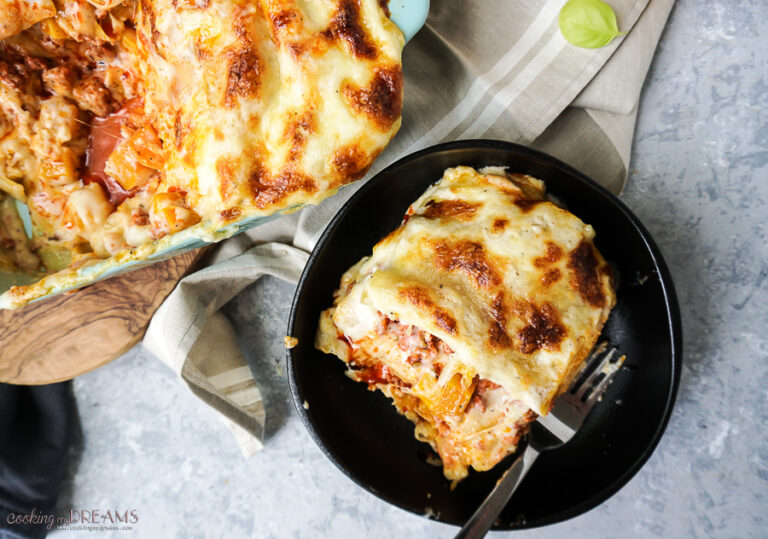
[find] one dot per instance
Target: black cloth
(37, 426)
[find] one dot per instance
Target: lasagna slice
(474, 314)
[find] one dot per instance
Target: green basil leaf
(589, 24)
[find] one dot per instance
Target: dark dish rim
(674, 321)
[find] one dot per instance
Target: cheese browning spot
(470, 258)
(461, 210)
(346, 25)
(226, 168)
(283, 19)
(268, 189)
(243, 76)
(384, 4)
(544, 330)
(230, 214)
(585, 278)
(553, 254)
(297, 132)
(497, 333)
(381, 100)
(526, 204)
(140, 217)
(351, 163)
(419, 297)
(551, 277)
(500, 224)
(179, 132)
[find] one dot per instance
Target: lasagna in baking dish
(474, 314)
(123, 121)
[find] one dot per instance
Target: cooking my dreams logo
(111, 519)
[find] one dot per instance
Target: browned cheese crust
(474, 314)
(125, 123)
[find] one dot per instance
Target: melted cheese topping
(509, 282)
(266, 110)
(124, 121)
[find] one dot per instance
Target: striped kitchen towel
(493, 69)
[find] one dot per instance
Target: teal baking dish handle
(409, 15)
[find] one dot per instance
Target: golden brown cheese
(259, 115)
(507, 281)
(124, 121)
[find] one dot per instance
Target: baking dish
(408, 15)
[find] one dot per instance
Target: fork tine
(595, 366)
(579, 393)
(602, 385)
(604, 361)
(583, 374)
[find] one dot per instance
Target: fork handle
(480, 522)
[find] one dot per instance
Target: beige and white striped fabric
(491, 69)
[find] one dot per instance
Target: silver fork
(548, 432)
